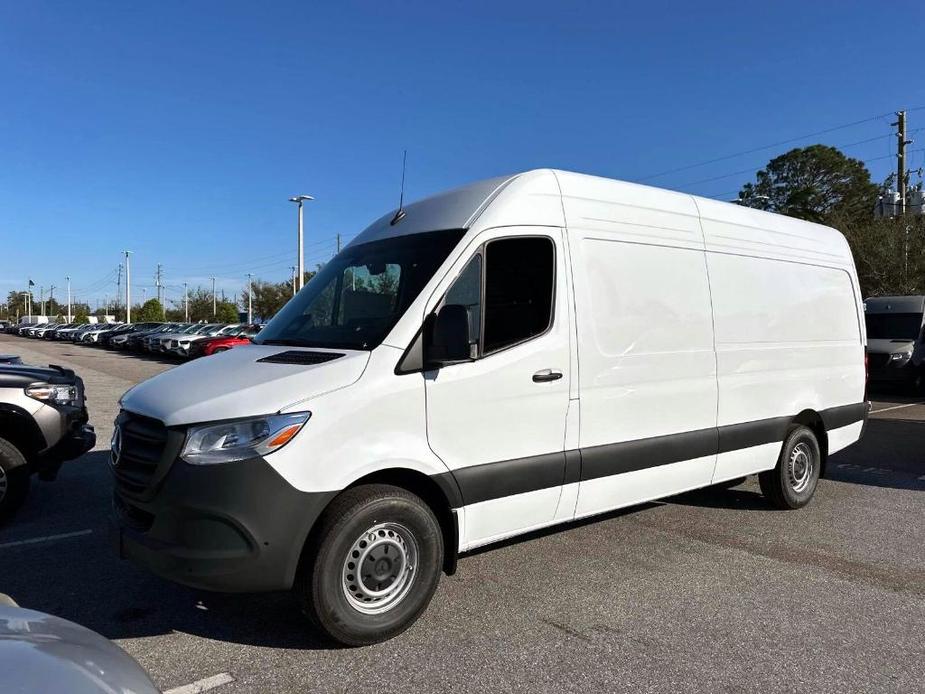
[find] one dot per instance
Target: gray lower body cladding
(241, 527)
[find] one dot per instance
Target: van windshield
(893, 326)
(356, 298)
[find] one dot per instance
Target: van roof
(550, 197)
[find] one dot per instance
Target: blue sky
(179, 130)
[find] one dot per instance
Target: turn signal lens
(282, 438)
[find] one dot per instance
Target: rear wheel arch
(813, 421)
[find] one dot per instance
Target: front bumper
(234, 527)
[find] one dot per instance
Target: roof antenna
(400, 215)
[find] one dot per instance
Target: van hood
(237, 383)
(890, 346)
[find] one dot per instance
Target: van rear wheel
(792, 482)
(373, 565)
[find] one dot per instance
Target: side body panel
(788, 322)
(645, 342)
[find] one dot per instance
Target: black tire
(792, 482)
(14, 479)
(323, 582)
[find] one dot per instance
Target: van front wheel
(792, 483)
(373, 565)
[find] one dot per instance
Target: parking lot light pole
(250, 294)
(299, 199)
(68, 298)
(185, 303)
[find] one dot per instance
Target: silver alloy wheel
(4, 483)
(800, 467)
(380, 568)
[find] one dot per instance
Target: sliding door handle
(547, 375)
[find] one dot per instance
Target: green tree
(226, 312)
(81, 316)
(889, 254)
(268, 298)
(16, 303)
(817, 183)
(150, 311)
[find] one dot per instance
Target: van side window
(467, 291)
(519, 281)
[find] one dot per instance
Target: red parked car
(214, 345)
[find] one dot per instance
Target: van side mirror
(448, 341)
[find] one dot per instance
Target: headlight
(900, 356)
(247, 438)
(56, 395)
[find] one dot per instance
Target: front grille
(140, 451)
(877, 360)
(300, 357)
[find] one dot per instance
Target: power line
(765, 147)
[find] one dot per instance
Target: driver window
(467, 291)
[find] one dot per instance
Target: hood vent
(300, 357)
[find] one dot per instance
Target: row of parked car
(181, 340)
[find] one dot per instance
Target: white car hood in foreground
(234, 384)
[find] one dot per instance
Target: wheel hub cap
(379, 568)
(800, 467)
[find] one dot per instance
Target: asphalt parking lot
(706, 592)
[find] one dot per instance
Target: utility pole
(901, 142)
(213, 297)
(250, 293)
(42, 300)
(68, 298)
(128, 289)
(185, 303)
(293, 279)
(157, 283)
(301, 260)
(338, 243)
(51, 299)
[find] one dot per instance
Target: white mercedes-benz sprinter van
(517, 353)
(896, 340)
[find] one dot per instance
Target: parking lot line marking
(897, 407)
(203, 685)
(47, 538)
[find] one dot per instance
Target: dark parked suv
(43, 422)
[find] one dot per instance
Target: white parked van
(896, 339)
(514, 354)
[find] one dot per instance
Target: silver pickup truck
(43, 422)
